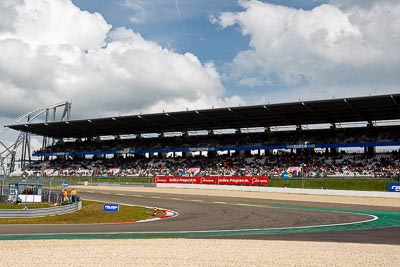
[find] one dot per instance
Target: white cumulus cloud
(338, 49)
(52, 51)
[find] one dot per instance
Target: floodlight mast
(22, 144)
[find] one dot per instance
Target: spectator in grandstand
(315, 165)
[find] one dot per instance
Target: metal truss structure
(8, 153)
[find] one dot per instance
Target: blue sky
(186, 30)
(138, 56)
(190, 32)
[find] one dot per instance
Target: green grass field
(340, 183)
(369, 184)
(6, 206)
(91, 212)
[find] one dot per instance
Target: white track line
(374, 218)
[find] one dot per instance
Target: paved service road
(227, 217)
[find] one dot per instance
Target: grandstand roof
(370, 108)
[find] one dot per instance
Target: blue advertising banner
(287, 175)
(394, 187)
(111, 207)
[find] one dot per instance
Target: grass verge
(334, 183)
(7, 206)
(370, 184)
(91, 212)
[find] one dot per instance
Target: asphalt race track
(229, 217)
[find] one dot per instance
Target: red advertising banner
(222, 180)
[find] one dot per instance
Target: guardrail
(33, 213)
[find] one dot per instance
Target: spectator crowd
(266, 138)
(311, 164)
(308, 162)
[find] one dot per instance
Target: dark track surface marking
(201, 213)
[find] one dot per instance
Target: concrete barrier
(33, 213)
(323, 192)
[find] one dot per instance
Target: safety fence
(40, 212)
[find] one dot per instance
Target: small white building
(25, 192)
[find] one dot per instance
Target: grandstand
(262, 140)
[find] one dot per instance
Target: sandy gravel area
(187, 252)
